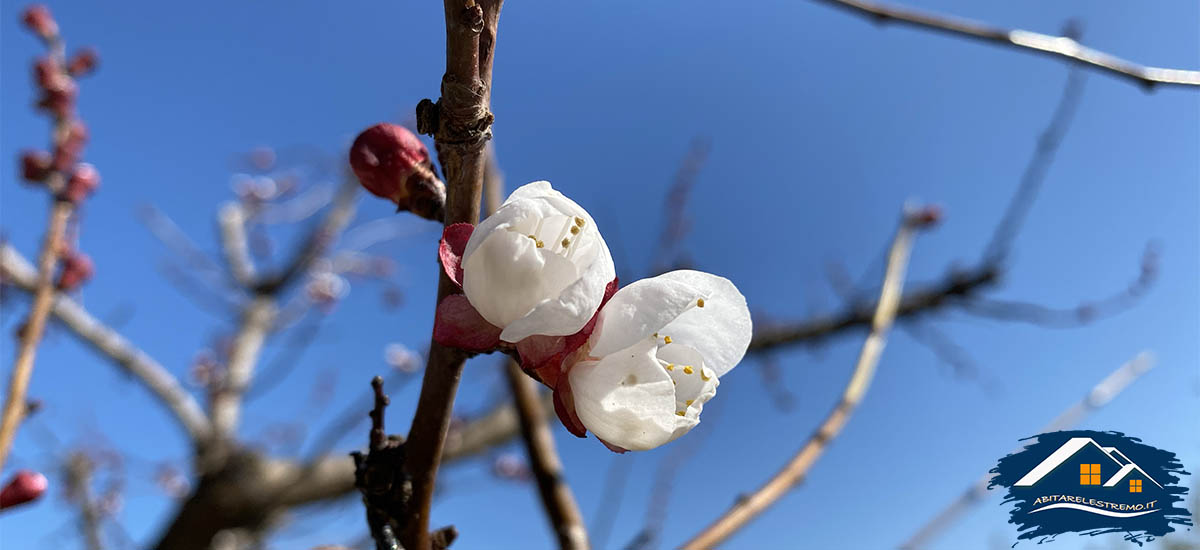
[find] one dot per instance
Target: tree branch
(1061, 47)
(864, 370)
(561, 509)
(256, 321)
(109, 343)
(461, 125)
(231, 221)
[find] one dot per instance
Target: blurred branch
(561, 509)
(1062, 47)
(231, 221)
(78, 477)
(31, 332)
(676, 226)
(318, 240)
(746, 509)
(1099, 396)
(460, 123)
(168, 232)
(108, 342)
(257, 319)
(998, 248)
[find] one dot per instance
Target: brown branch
(78, 472)
(1097, 397)
(109, 343)
(561, 509)
(35, 325)
(864, 370)
(1054, 46)
(460, 124)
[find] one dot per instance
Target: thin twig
(561, 509)
(35, 325)
(1097, 397)
(1055, 46)
(797, 468)
(461, 125)
(109, 343)
(231, 220)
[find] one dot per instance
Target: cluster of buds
(54, 76)
(392, 163)
(61, 171)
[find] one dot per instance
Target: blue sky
(821, 125)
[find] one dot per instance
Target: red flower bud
(38, 19)
(35, 166)
(83, 62)
(48, 74)
(59, 100)
(392, 163)
(84, 180)
(77, 268)
(24, 487)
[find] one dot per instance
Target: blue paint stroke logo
(1092, 483)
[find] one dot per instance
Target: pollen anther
(688, 370)
(679, 413)
(703, 376)
(579, 221)
(667, 339)
(566, 242)
(574, 230)
(700, 302)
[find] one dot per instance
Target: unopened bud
(77, 268)
(83, 62)
(47, 74)
(925, 216)
(35, 166)
(59, 100)
(24, 487)
(37, 18)
(392, 163)
(84, 180)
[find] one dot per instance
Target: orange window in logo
(1089, 474)
(1135, 485)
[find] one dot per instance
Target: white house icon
(1074, 445)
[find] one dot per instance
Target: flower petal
(506, 277)
(720, 330)
(573, 307)
(457, 324)
(564, 407)
(626, 398)
(543, 356)
(639, 310)
(450, 249)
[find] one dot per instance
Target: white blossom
(538, 265)
(659, 348)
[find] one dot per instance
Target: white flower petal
(626, 398)
(695, 384)
(639, 310)
(572, 308)
(507, 276)
(720, 330)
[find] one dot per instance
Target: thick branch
(461, 126)
(561, 509)
(109, 343)
(1055, 46)
(864, 370)
(31, 333)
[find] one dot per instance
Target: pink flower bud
(37, 18)
(392, 163)
(47, 74)
(77, 268)
(25, 486)
(83, 62)
(35, 166)
(84, 180)
(60, 99)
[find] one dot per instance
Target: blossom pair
(634, 366)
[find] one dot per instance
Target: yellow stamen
(541, 244)
(579, 221)
(566, 242)
(689, 402)
(700, 302)
(687, 370)
(678, 413)
(667, 339)
(704, 377)
(670, 366)
(574, 230)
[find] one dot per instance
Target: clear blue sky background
(822, 124)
